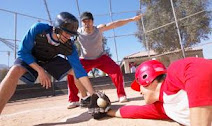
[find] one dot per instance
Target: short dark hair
(160, 78)
(86, 15)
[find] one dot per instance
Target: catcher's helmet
(66, 22)
(146, 73)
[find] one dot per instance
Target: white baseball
(101, 102)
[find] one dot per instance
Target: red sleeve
(151, 111)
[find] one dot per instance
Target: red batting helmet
(146, 73)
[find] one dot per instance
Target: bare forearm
(114, 113)
(118, 23)
(36, 67)
(87, 84)
(42, 75)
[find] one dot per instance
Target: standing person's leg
(113, 70)
(72, 89)
(9, 84)
(72, 92)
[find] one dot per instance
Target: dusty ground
(51, 111)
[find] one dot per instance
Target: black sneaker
(86, 102)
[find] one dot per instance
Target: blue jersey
(28, 42)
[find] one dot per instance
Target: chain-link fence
(172, 18)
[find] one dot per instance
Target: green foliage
(106, 48)
(159, 13)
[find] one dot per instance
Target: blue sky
(100, 8)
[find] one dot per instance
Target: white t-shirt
(91, 44)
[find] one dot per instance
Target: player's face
(65, 36)
(149, 93)
(87, 23)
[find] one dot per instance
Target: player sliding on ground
(182, 93)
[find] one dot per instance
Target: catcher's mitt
(99, 105)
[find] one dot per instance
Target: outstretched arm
(118, 23)
(114, 113)
(150, 111)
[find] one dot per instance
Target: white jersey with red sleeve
(188, 84)
(185, 87)
(176, 107)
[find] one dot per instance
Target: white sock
(85, 97)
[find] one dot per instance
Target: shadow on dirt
(83, 117)
(78, 119)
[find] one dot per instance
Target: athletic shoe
(73, 105)
(123, 99)
(85, 102)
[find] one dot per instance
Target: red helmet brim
(135, 86)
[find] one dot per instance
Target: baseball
(101, 102)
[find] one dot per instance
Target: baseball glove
(99, 105)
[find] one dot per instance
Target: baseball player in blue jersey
(38, 55)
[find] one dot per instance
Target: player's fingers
(42, 83)
(48, 83)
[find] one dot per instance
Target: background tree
(106, 48)
(159, 12)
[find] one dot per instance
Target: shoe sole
(72, 107)
(123, 101)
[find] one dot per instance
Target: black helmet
(66, 22)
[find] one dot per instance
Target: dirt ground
(51, 111)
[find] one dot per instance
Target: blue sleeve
(24, 52)
(76, 64)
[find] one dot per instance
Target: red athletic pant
(72, 89)
(107, 65)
